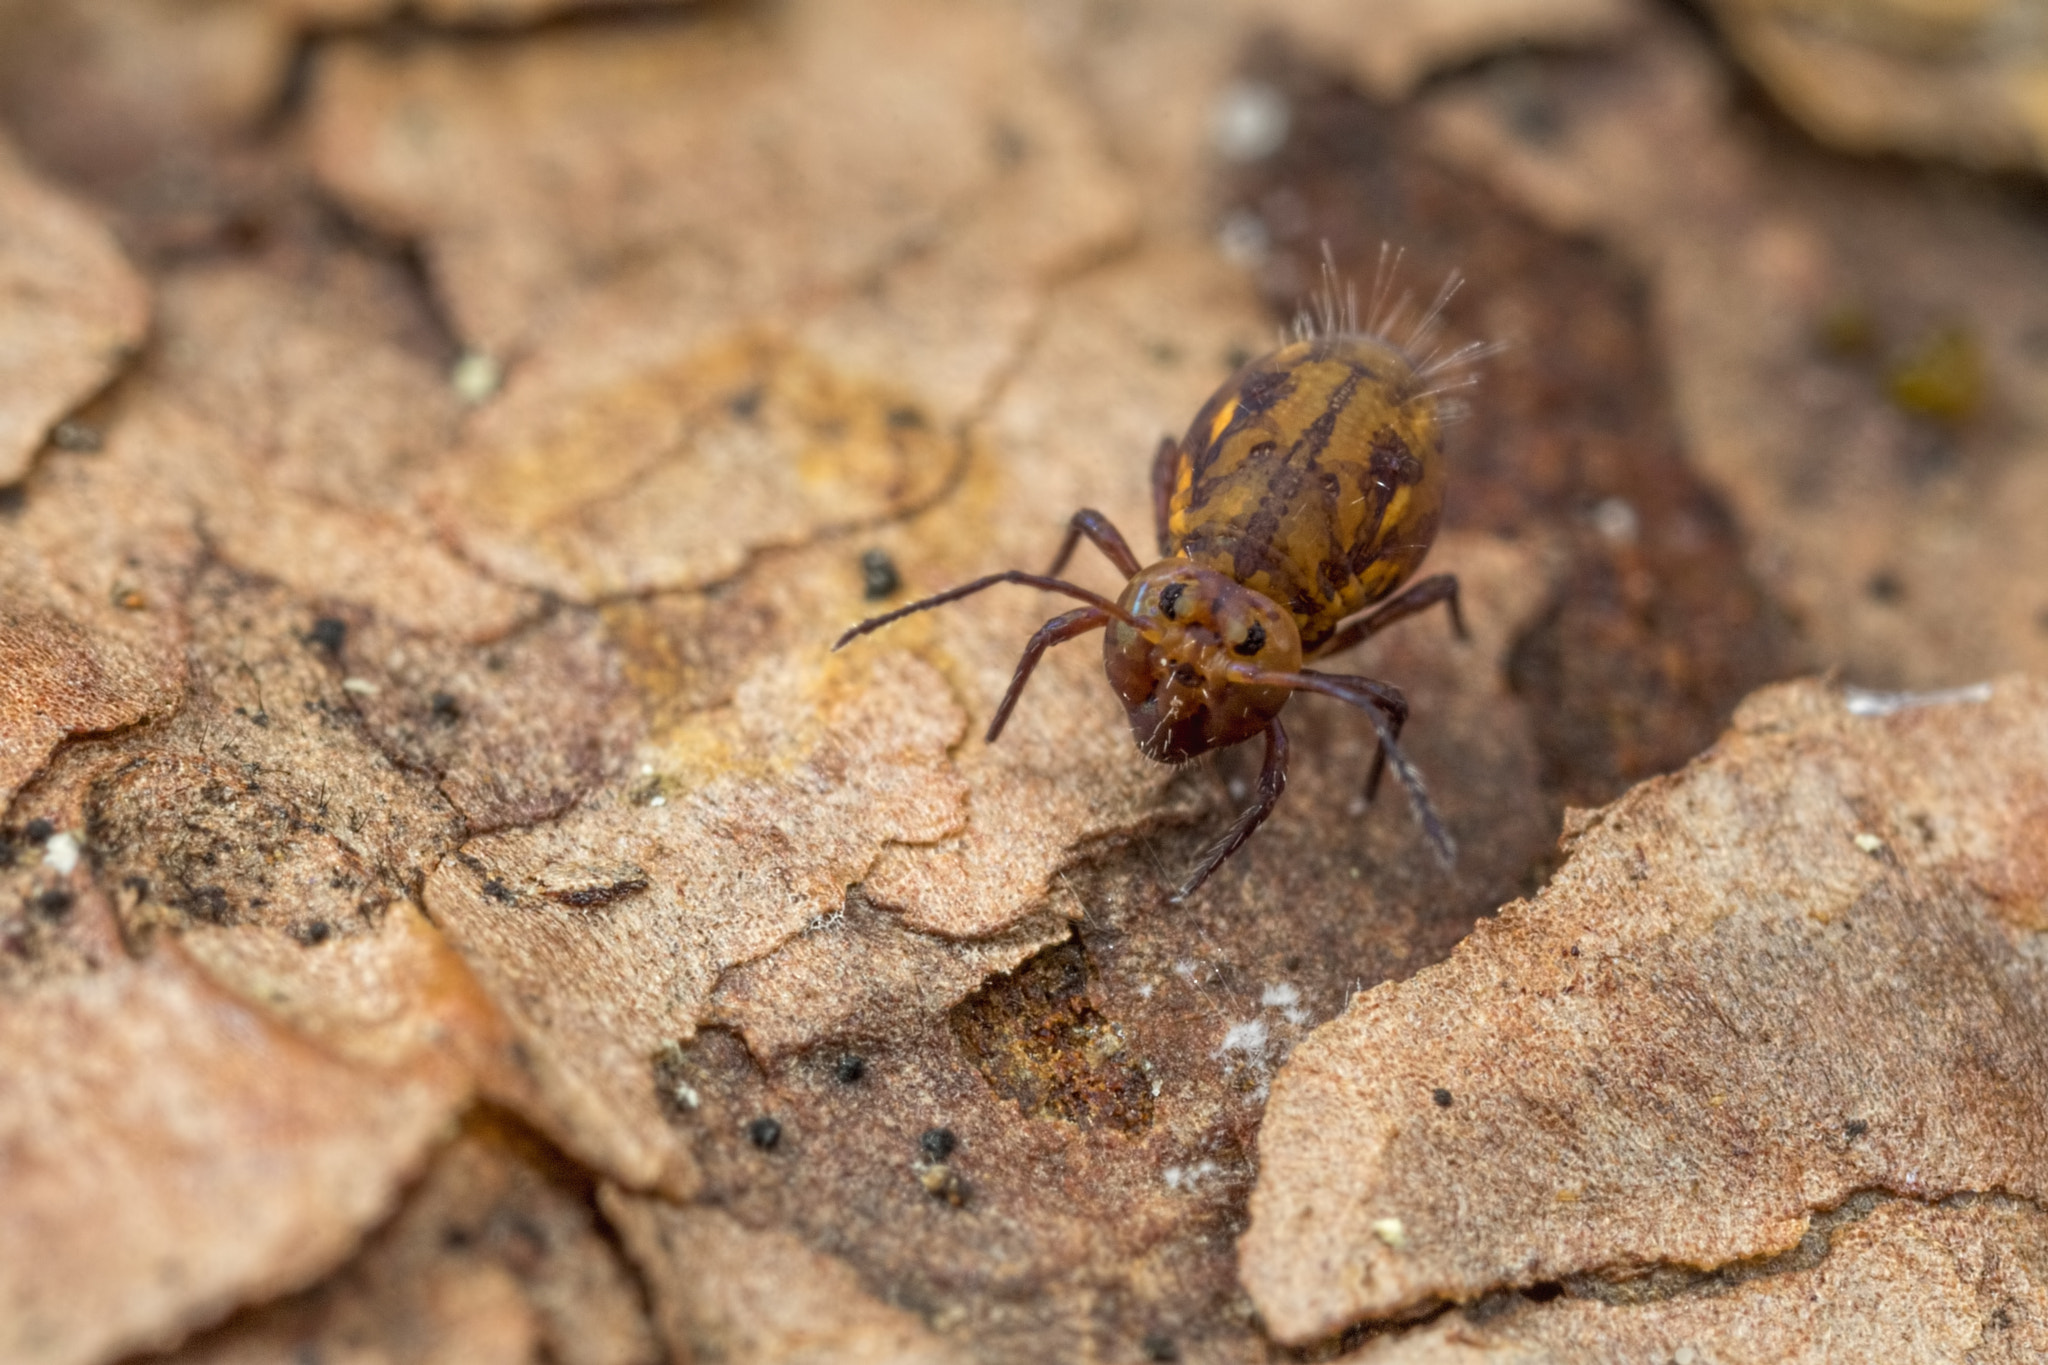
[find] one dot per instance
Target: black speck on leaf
(879, 578)
(76, 437)
(329, 633)
(210, 903)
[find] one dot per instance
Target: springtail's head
(1177, 664)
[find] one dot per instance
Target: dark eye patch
(1254, 641)
(1169, 600)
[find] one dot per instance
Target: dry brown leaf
(260, 803)
(390, 564)
(1900, 1281)
(533, 172)
(673, 478)
(537, 639)
(484, 12)
(1390, 46)
(57, 681)
(170, 1152)
(155, 110)
(319, 366)
(278, 426)
(1797, 294)
(161, 107)
(262, 829)
(254, 842)
(381, 997)
(319, 382)
(860, 967)
(601, 936)
(1167, 77)
(802, 367)
(485, 15)
(1718, 1019)
(496, 1256)
(71, 310)
(514, 732)
(727, 1292)
(93, 563)
(1964, 81)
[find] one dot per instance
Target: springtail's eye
(1169, 600)
(1254, 641)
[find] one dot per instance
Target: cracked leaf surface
(1723, 1014)
(498, 1255)
(169, 1153)
(760, 815)
(1955, 1281)
(527, 408)
(729, 1292)
(71, 309)
(767, 155)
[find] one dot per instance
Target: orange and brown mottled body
(1314, 477)
(1308, 489)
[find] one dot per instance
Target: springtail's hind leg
(1029, 580)
(1421, 596)
(1272, 782)
(1390, 701)
(1364, 693)
(1057, 631)
(1165, 477)
(1368, 696)
(1103, 535)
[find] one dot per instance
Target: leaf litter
(426, 755)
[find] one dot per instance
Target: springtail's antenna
(1057, 631)
(1029, 580)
